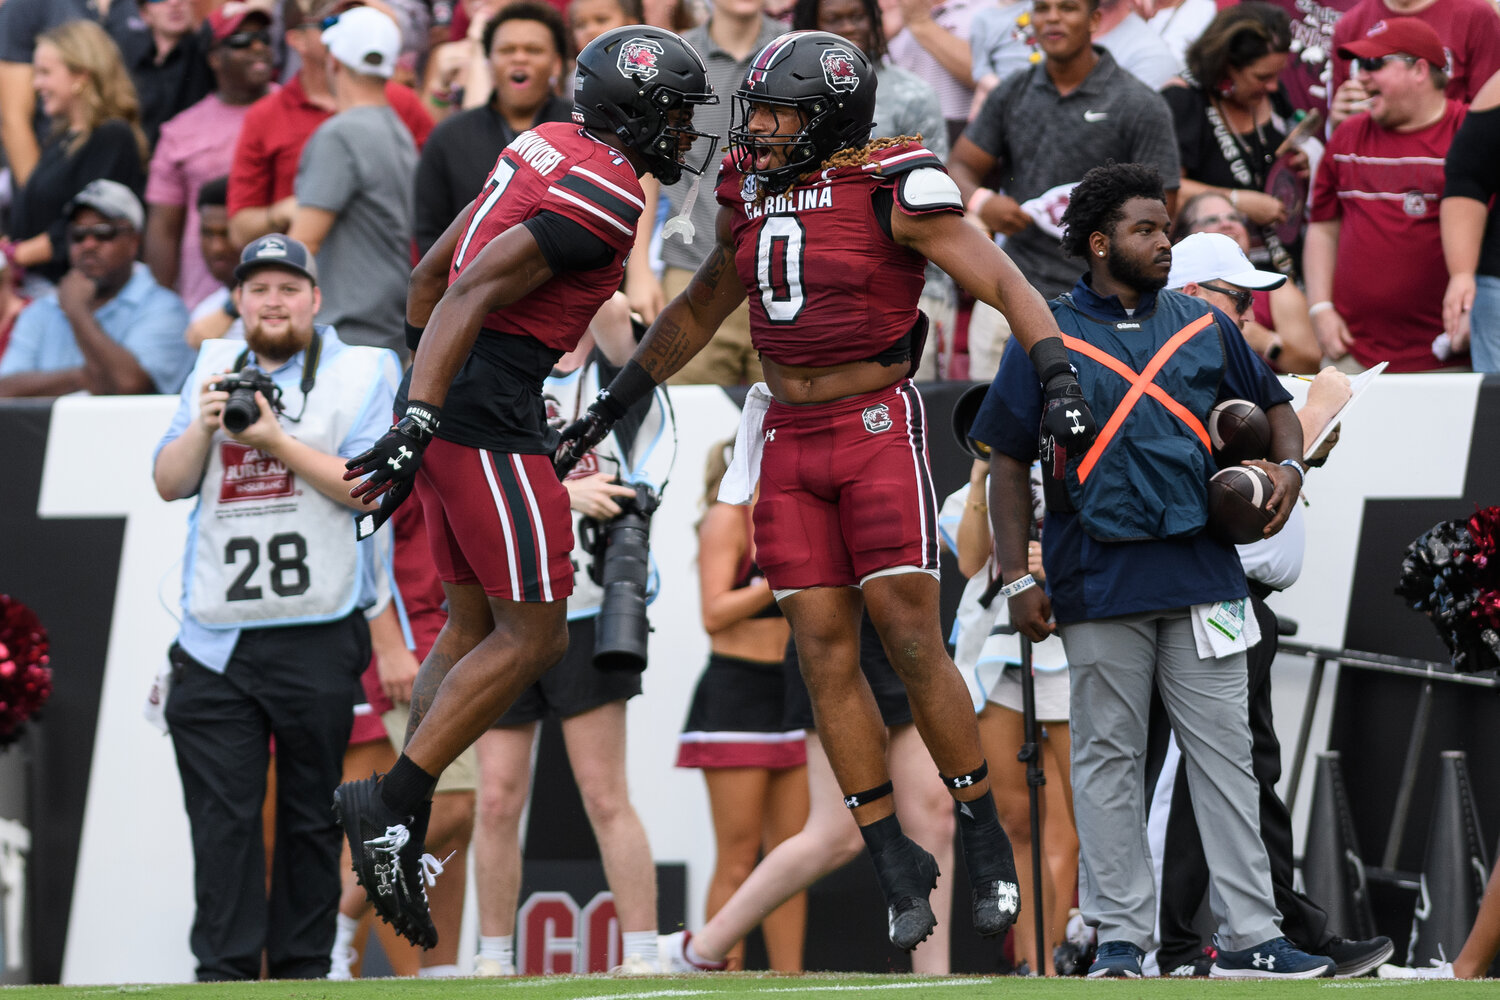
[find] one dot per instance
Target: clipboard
(1357, 386)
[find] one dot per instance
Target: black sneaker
(1187, 966)
(907, 875)
(1356, 958)
(388, 862)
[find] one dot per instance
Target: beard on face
(277, 347)
(1133, 273)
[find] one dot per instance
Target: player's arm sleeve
(1011, 415)
(566, 245)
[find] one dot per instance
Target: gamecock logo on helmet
(638, 58)
(839, 71)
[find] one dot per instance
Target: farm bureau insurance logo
(638, 58)
(839, 71)
(252, 475)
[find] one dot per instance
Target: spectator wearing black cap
(273, 635)
(109, 329)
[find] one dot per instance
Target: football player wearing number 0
(502, 295)
(828, 234)
(273, 637)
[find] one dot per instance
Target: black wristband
(1050, 359)
(629, 387)
(424, 415)
(413, 336)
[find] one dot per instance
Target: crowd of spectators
(1348, 146)
(168, 97)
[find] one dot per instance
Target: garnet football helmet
(642, 84)
(824, 77)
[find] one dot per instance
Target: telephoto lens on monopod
(622, 565)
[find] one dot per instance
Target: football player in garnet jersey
(503, 294)
(828, 234)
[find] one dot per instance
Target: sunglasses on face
(245, 39)
(1243, 297)
(1372, 65)
(1208, 221)
(103, 232)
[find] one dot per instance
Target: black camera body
(621, 548)
(241, 410)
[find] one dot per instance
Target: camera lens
(240, 410)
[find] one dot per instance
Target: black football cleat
(388, 861)
(907, 875)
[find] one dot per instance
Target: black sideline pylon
(1332, 866)
(1454, 868)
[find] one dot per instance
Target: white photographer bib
(266, 548)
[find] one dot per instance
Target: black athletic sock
(406, 788)
(986, 847)
(882, 833)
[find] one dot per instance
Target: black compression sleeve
(625, 390)
(566, 245)
(1050, 359)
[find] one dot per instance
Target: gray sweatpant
(1114, 662)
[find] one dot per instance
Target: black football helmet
(827, 79)
(642, 84)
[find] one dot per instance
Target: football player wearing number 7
(273, 635)
(828, 234)
(502, 295)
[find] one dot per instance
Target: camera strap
(310, 358)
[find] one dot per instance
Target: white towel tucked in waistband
(738, 485)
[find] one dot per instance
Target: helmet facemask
(665, 137)
(802, 149)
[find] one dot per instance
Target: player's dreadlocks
(1097, 203)
(858, 156)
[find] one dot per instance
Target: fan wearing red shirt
(277, 127)
(1469, 30)
(1374, 253)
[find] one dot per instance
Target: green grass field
(808, 987)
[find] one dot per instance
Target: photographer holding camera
(273, 637)
(612, 492)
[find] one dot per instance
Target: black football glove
(1066, 417)
(581, 437)
(390, 466)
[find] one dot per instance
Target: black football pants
(298, 685)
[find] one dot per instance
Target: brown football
(1238, 430)
(1237, 498)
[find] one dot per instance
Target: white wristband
(1318, 307)
(1017, 586)
(977, 200)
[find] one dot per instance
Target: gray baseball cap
(110, 199)
(276, 250)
